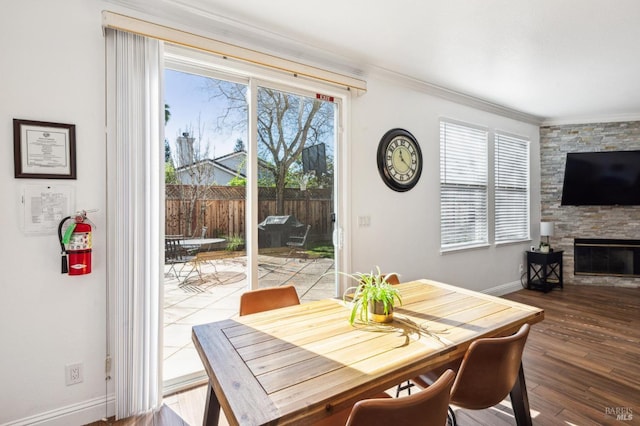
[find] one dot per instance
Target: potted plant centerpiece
(372, 296)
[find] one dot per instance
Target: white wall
(53, 70)
(404, 235)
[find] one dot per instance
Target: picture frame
(44, 150)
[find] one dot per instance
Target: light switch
(364, 221)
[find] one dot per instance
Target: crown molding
(607, 118)
(453, 96)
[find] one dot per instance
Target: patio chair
(175, 253)
(216, 257)
(297, 243)
(428, 408)
(171, 252)
(486, 374)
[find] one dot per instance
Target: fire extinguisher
(76, 242)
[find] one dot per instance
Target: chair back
(489, 370)
(265, 299)
(428, 407)
(392, 279)
(299, 240)
(172, 250)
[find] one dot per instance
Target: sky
(187, 98)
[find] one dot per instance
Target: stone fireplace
(613, 223)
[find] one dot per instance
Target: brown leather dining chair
(425, 408)
(487, 372)
(265, 299)
(392, 279)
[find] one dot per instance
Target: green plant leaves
(371, 287)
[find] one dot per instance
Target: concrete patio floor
(217, 296)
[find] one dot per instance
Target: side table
(544, 270)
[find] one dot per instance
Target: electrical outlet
(73, 374)
(521, 268)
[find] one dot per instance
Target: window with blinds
(511, 188)
(463, 186)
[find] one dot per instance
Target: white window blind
(511, 188)
(463, 186)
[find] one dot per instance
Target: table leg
(520, 400)
(212, 409)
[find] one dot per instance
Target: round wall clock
(399, 160)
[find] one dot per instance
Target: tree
(169, 169)
(286, 124)
(167, 114)
(239, 146)
(238, 181)
(170, 177)
(167, 152)
(196, 174)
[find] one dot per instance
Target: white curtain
(135, 216)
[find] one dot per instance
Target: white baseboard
(76, 414)
(503, 289)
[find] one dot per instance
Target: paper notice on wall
(44, 206)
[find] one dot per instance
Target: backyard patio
(215, 295)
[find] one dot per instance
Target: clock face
(399, 160)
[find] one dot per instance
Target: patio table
(300, 364)
(201, 241)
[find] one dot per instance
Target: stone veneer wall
(585, 221)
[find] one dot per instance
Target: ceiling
(559, 61)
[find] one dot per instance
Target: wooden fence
(222, 210)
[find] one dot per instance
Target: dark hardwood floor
(582, 365)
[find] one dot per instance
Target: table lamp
(546, 230)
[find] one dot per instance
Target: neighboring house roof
(241, 153)
(224, 167)
(238, 157)
(212, 163)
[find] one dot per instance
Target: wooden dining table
(300, 364)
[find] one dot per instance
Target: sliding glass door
(296, 134)
(250, 197)
(205, 210)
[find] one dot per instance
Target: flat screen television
(602, 179)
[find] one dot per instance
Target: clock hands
(402, 157)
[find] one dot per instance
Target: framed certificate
(44, 150)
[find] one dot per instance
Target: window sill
(505, 243)
(463, 248)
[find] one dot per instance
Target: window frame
(492, 185)
(481, 184)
